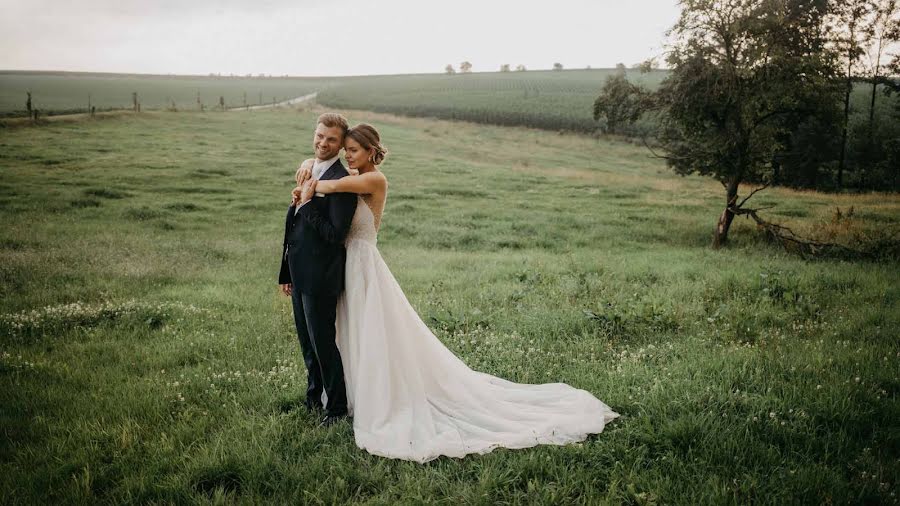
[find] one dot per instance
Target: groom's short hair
(333, 119)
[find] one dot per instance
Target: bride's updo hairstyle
(368, 138)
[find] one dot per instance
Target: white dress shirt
(319, 168)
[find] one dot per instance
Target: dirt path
(294, 101)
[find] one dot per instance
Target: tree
(465, 67)
(847, 23)
(557, 66)
(648, 65)
(620, 68)
(885, 31)
(743, 71)
(620, 102)
(746, 70)
(520, 68)
(504, 67)
(449, 69)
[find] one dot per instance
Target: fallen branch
(794, 243)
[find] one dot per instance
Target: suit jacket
(313, 254)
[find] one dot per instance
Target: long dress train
(411, 398)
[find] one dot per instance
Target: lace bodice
(364, 224)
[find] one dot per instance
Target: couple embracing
(365, 347)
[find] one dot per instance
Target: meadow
(146, 356)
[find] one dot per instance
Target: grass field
(68, 92)
(145, 355)
(554, 100)
(551, 100)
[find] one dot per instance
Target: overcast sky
(321, 37)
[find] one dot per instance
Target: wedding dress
(411, 398)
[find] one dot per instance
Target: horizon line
(288, 76)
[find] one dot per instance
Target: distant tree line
(466, 67)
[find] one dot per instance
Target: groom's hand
(286, 289)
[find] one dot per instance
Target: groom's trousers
(314, 316)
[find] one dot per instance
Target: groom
(312, 270)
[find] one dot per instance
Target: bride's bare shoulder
(376, 175)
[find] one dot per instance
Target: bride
(411, 398)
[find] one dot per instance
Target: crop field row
(551, 100)
(544, 99)
(560, 100)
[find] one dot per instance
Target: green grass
(550, 100)
(554, 100)
(68, 91)
(145, 355)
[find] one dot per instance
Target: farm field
(551, 100)
(68, 91)
(146, 356)
(554, 100)
(536, 98)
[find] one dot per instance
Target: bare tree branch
(646, 145)
(763, 187)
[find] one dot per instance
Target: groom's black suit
(313, 261)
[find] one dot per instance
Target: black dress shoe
(330, 420)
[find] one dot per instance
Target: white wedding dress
(411, 398)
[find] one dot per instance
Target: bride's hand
(304, 172)
(307, 190)
(295, 195)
